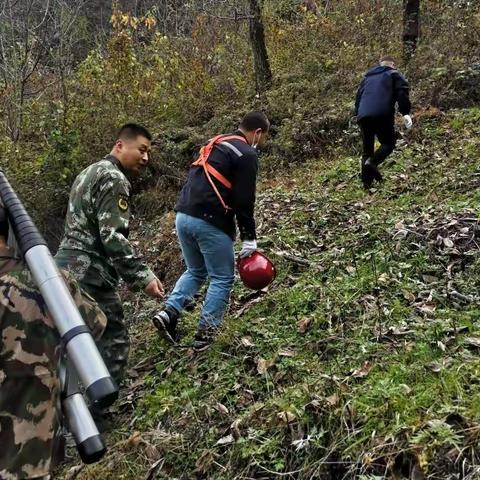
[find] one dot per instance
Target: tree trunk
(263, 73)
(411, 27)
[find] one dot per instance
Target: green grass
(383, 381)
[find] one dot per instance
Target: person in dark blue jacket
(219, 192)
(381, 89)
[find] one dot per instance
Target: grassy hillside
(360, 362)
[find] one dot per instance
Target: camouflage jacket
(29, 354)
(95, 246)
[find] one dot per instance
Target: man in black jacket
(381, 88)
(219, 190)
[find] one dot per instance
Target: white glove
(248, 247)
(407, 120)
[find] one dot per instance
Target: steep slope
(360, 362)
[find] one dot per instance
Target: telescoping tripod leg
(90, 444)
(76, 336)
(84, 359)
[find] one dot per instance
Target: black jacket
(379, 90)
(239, 165)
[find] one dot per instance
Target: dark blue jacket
(379, 91)
(237, 162)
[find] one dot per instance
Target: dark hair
(254, 120)
(130, 131)
(387, 58)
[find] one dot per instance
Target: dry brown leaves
(305, 324)
(363, 371)
(263, 365)
(451, 235)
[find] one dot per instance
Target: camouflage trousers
(114, 344)
(27, 426)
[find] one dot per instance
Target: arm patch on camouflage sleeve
(123, 203)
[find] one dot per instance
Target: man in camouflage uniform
(29, 355)
(95, 247)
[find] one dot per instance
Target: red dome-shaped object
(256, 271)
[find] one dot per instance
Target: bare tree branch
(35, 36)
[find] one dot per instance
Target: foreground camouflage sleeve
(113, 214)
(29, 386)
(88, 308)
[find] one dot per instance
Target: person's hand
(248, 247)
(155, 289)
(407, 120)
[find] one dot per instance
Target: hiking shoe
(366, 175)
(370, 165)
(204, 338)
(166, 322)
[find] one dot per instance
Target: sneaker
(204, 338)
(166, 322)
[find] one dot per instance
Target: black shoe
(374, 172)
(369, 173)
(166, 322)
(366, 175)
(204, 338)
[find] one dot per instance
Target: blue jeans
(208, 252)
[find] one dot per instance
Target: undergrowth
(361, 360)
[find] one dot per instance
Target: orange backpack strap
(202, 161)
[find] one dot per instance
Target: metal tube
(81, 348)
(52, 286)
(80, 420)
(89, 442)
(83, 355)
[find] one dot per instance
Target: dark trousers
(114, 344)
(384, 129)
